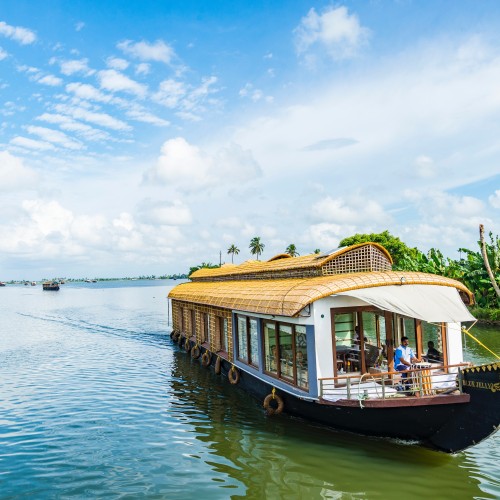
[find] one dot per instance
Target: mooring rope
(479, 342)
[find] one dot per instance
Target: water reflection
(284, 456)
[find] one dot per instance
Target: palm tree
(256, 246)
(292, 250)
(317, 251)
(233, 250)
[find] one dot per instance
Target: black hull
(446, 423)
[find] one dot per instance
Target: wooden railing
(421, 380)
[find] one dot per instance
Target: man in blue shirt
(404, 358)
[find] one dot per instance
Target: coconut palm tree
(233, 250)
(317, 251)
(256, 246)
(292, 250)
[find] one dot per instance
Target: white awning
(430, 303)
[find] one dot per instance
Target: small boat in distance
(2, 283)
(50, 285)
(33, 283)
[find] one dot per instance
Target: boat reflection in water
(288, 331)
(284, 456)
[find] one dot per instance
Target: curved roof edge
(343, 250)
(287, 297)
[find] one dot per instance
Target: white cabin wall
(323, 331)
(454, 344)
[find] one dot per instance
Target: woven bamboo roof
(283, 263)
(287, 297)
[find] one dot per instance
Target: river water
(96, 402)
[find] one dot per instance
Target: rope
(273, 392)
(479, 342)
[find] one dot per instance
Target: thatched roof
(287, 297)
(355, 258)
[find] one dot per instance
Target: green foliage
(394, 245)
(256, 246)
(486, 315)
(317, 251)
(207, 265)
(475, 276)
(292, 250)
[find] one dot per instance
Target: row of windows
(284, 348)
(218, 334)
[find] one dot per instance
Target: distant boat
(33, 283)
(26, 283)
(2, 283)
(50, 285)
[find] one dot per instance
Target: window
(301, 365)
(285, 352)
(432, 342)
(205, 328)
(222, 333)
(248, 340)
(270, 348)
(242, 338)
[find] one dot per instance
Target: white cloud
(326, 236)
(494, 199)
(51, 80)
(101, 119)
(14, 175)
(114, 81)
(170, 93)
(70, 67)
(425, 166)
(25, 142)
(188, 168)
(180, 164)
(55, 137)
(443, 209)
(3, 54)
(335, 30)
(158, 51)
(79, 26)
(117, 63)
(22, 35)
(356, 210)
(88, 92)
(142, 69)
(187, 99)
(172, 214)
(138, 113)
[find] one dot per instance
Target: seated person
(357, 337)
(432, 353)
(404, 358)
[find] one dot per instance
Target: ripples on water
(95, 402)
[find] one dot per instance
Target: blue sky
(143, 137)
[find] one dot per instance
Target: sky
(145, 137)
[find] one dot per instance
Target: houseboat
(315, 336)
(50, 285)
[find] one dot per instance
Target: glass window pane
(254, 343)
(301, 357)
(286, 351)
(432, 342)
(344, 329)
(409, 328)
(270, 348)
(224, 334)
(242, 339)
